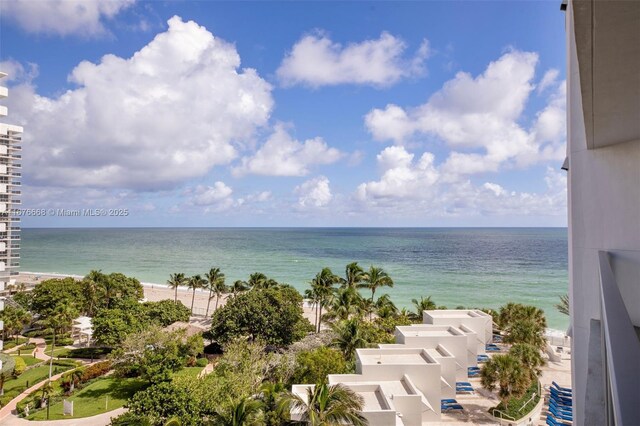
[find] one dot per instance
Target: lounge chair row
(560, 405)
(450, 405)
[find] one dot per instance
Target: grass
(15, 387)
(11, 343)
(92, 400)
(516, 409)
(28, 359)
(188, 372)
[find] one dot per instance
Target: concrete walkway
(99, 420)
(39, 351)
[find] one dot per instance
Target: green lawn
(92, 400)
(28, 359)
(11, 343)
(188, 372)
(15, 387)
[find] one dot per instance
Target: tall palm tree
(424, 304)
(216, 285)
(175, 281)
(322, 287)
(349, 337)
(243, 412)
(195, 282)
(326, 405)
(375, 278)
(530, 357)
(271, 396)
(526, 331)
(354, 275)
(563, 306)
(507, 374)
(257, 280)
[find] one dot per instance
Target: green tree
(50, 294)
(530, 357)
(314, 366)
(165, 312)
(273, 411)
(115, 288)
(242, 412)
(216, 285)
(526, 331)
(563, 306)
(345, 303)
(111, 326)
(174, 282)
(59, 321)
(15, 319)
(349, 336)
(385, 308)
(272, 315)
(238, 287)
(329, 405)
(507, 374)
(194, 283)
(424, 304)
(375, 278)
(163, 401)
(322, 287)
(354, 275)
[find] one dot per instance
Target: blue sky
(289, 113)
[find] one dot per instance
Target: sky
(212, 113)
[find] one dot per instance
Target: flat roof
(394, 356)
(456, 313)
(428, 330)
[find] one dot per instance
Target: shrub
(314, 366)
(96, 370)
(19, 367)
(65, 341)
(202, 362)
(87, 353)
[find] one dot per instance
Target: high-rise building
(10, 148)
(603, 150)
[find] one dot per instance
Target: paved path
(39, 351)
(99, 420)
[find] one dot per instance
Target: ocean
(474, 267)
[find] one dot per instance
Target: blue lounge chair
(449, 401)
(562, 401)
(490, 349)
(560, 393)
(463, 384)
(452, 407)
(560, 409)
(560, 388)
(561, 416)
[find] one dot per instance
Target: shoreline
(155, 292)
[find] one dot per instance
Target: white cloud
(480, 119)
(169, 113)
(549, 79)
(16, 72)
(314, 192)
(210, 195)
(315, 60)
(63, 17)
(401, 177)
(282, 155)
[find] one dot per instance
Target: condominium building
(603, 150)
(10, 141)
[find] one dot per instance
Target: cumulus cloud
(219, 193)
(479, 118)
(16, 72)
(63, 17)
(315, 192)
(282, 155)
(549, 79)
(169, 113)
(402, 178)
(315, 60)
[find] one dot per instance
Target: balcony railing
(622, 349)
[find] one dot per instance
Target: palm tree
(175, 281)
(195, 282)
(344, 303)
(326, 405)
(354, 275)
(59, 321)
(367, 307)
(257, 280)
(526, 331)
(424, 304)
(349, 337)
(506, 373)
(385, 308)
(563, 306)
(321, 291)
(375, 278)
(530, 357)
(47, 389)
(243, 412)
(271, 396)
(216, 285)
(239, 286)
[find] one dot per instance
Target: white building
(603, 150)
(10, 140)
(467, 320)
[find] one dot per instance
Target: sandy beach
(154, 292)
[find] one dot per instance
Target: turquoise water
(483, 267)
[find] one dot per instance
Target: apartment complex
(603, 150)
(10, 140)
(403, 384)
